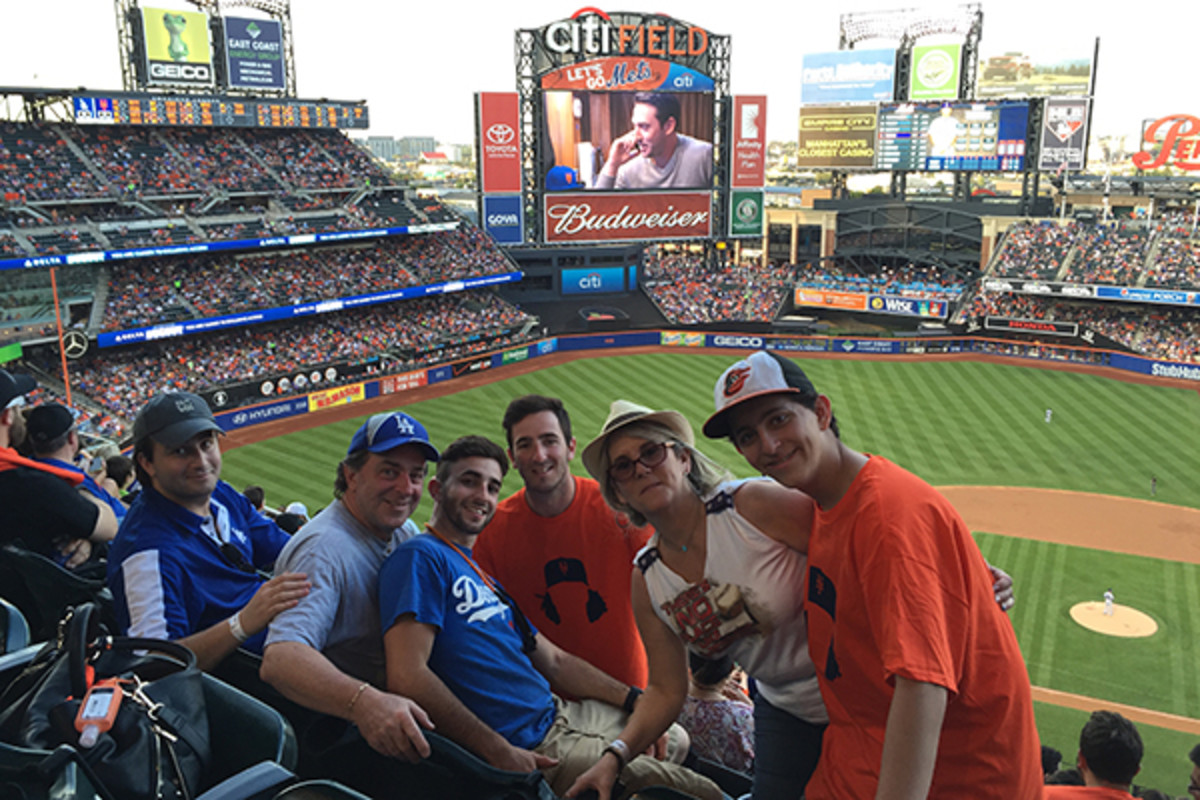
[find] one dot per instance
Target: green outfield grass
(951, 423)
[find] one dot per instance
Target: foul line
(1079, 702)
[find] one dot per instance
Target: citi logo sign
(500, 133)
(591, 281)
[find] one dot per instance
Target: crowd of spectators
(415, 333)
(1113, 255)
(1036, 250)
(909, 280)
(148, 291)
(1154, 331)
(1176, 264)
(690, 290)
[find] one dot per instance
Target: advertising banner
(1134, 294)
(1064, 134)
(682, 339)
(837, 137)
(799, 345)
(499, 142)
(612, 217)
(848, 76)
(93, 110)
(908, 306)
(514, 356)
(392, 384)
(1173, 140)
(850, 301)
(746, 212)
(504, 218)
(341, 396)
(935, 71)
(749, 141)
(177, 49)
(254, 415)
(598, 280)
(1031, 326)
(736, 340)
(869, 346)
(1158, 369)
(254, 53)
(631, 74)
(1065, 69)
(460, 368)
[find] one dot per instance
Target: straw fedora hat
(621, 414)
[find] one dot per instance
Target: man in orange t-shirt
(1110, 754)
(919, 667)
(563, 555)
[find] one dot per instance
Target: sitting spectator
(257, 497)
(40, 506)
(289, 523)
(1110, 754)
(54, 441)
(187, 562)
(120, 469)
(718, 715)
(297, 509)
(1194, 782)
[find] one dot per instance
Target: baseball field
(978, 427)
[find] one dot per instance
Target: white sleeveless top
(748, 605)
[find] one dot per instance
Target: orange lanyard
(467, 558)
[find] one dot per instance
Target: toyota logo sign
(500, 133)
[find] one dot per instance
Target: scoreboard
(128, 108)
(952, 136)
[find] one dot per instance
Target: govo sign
(503, 218)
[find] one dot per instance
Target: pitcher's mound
(1125, 621)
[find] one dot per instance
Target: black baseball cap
(172, 418)
(46, 423)
(13, 386)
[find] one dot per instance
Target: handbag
(158, 744)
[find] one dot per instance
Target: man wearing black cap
(186, 564)
(327, 652)
(39, 504)
(50, 429)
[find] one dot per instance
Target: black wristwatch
(631, 699)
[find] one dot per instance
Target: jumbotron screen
(958, 137)
(627, 140)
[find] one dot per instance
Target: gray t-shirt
(340, 615)
(689, 167)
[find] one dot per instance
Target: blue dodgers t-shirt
(477, 652)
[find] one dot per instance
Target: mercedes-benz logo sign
(500, 133)
(220, 398)
(75, 344)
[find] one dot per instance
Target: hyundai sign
(607, 280)
(502, 218)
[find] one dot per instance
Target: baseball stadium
(1034, 356)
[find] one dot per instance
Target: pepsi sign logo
(500, 133)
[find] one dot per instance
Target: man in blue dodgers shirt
(187, 559)
(454, 644)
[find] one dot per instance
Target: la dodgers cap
(382, 432)
(171, 418)
(761, 373)
(46, 423)
(14, 386)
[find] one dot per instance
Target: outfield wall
(315, 402)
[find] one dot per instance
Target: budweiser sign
(603, 217)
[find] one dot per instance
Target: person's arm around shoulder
(785, 515)
(214, 643)
(658, 707)
(391, 724)
(407, 647)
(910, 741)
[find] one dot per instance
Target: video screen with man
(621, 141)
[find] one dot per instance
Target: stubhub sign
(601, 280)
(502, 218)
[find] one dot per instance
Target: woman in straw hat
(721, 575)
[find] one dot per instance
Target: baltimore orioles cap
(762, 373)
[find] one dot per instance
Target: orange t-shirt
(897, 586)
(1085, 793)
(571, 575)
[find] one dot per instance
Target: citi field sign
(592, 32)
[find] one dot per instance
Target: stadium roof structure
(909, 23)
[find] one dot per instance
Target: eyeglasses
(650, 457)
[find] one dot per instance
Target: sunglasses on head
(650, 457)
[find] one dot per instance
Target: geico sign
(738, 341)
(503, 219)
(188, 72)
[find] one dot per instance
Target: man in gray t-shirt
(326, 653)
(655, 155)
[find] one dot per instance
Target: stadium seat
(16, 629)
(43, 590)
